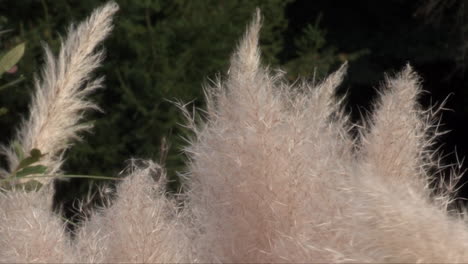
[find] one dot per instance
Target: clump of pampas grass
(273, 175)
(265, 154)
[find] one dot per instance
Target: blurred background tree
(164, 50)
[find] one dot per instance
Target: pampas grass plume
(29, 230)
(141, 226)
(398, 217)
(265, 174)
(59, 99)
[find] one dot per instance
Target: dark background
(163, 51)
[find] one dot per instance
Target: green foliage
(8, 61)
(11, 58)
(25, 168)
(28, 170)
(314, 54)
(31, 170)
(34, 156)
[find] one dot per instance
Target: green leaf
(34, 156)
(11, 58)
(37, 169)
(18, 150)
(71, 176)
(12, 83)
(26, 162)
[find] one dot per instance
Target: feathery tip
(327, 87)
(406, 83)
(338, 76)
(109, 7)
(247, 57)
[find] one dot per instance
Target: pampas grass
(391, 189)
(141, 226)
(59, 99)
(266, 167)
(29, 231)
(273, 175)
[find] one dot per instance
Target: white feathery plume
(29, 231)
(228, 179)
(394, 215)
(141, 226)
(59, 99)
(399, 124)
(267, 166)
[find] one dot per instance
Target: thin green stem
(20, 79)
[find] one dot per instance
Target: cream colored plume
(265, 162)
(395, 216)
(141, 226)
(275, 175)
(30, 232)
(59, 102)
